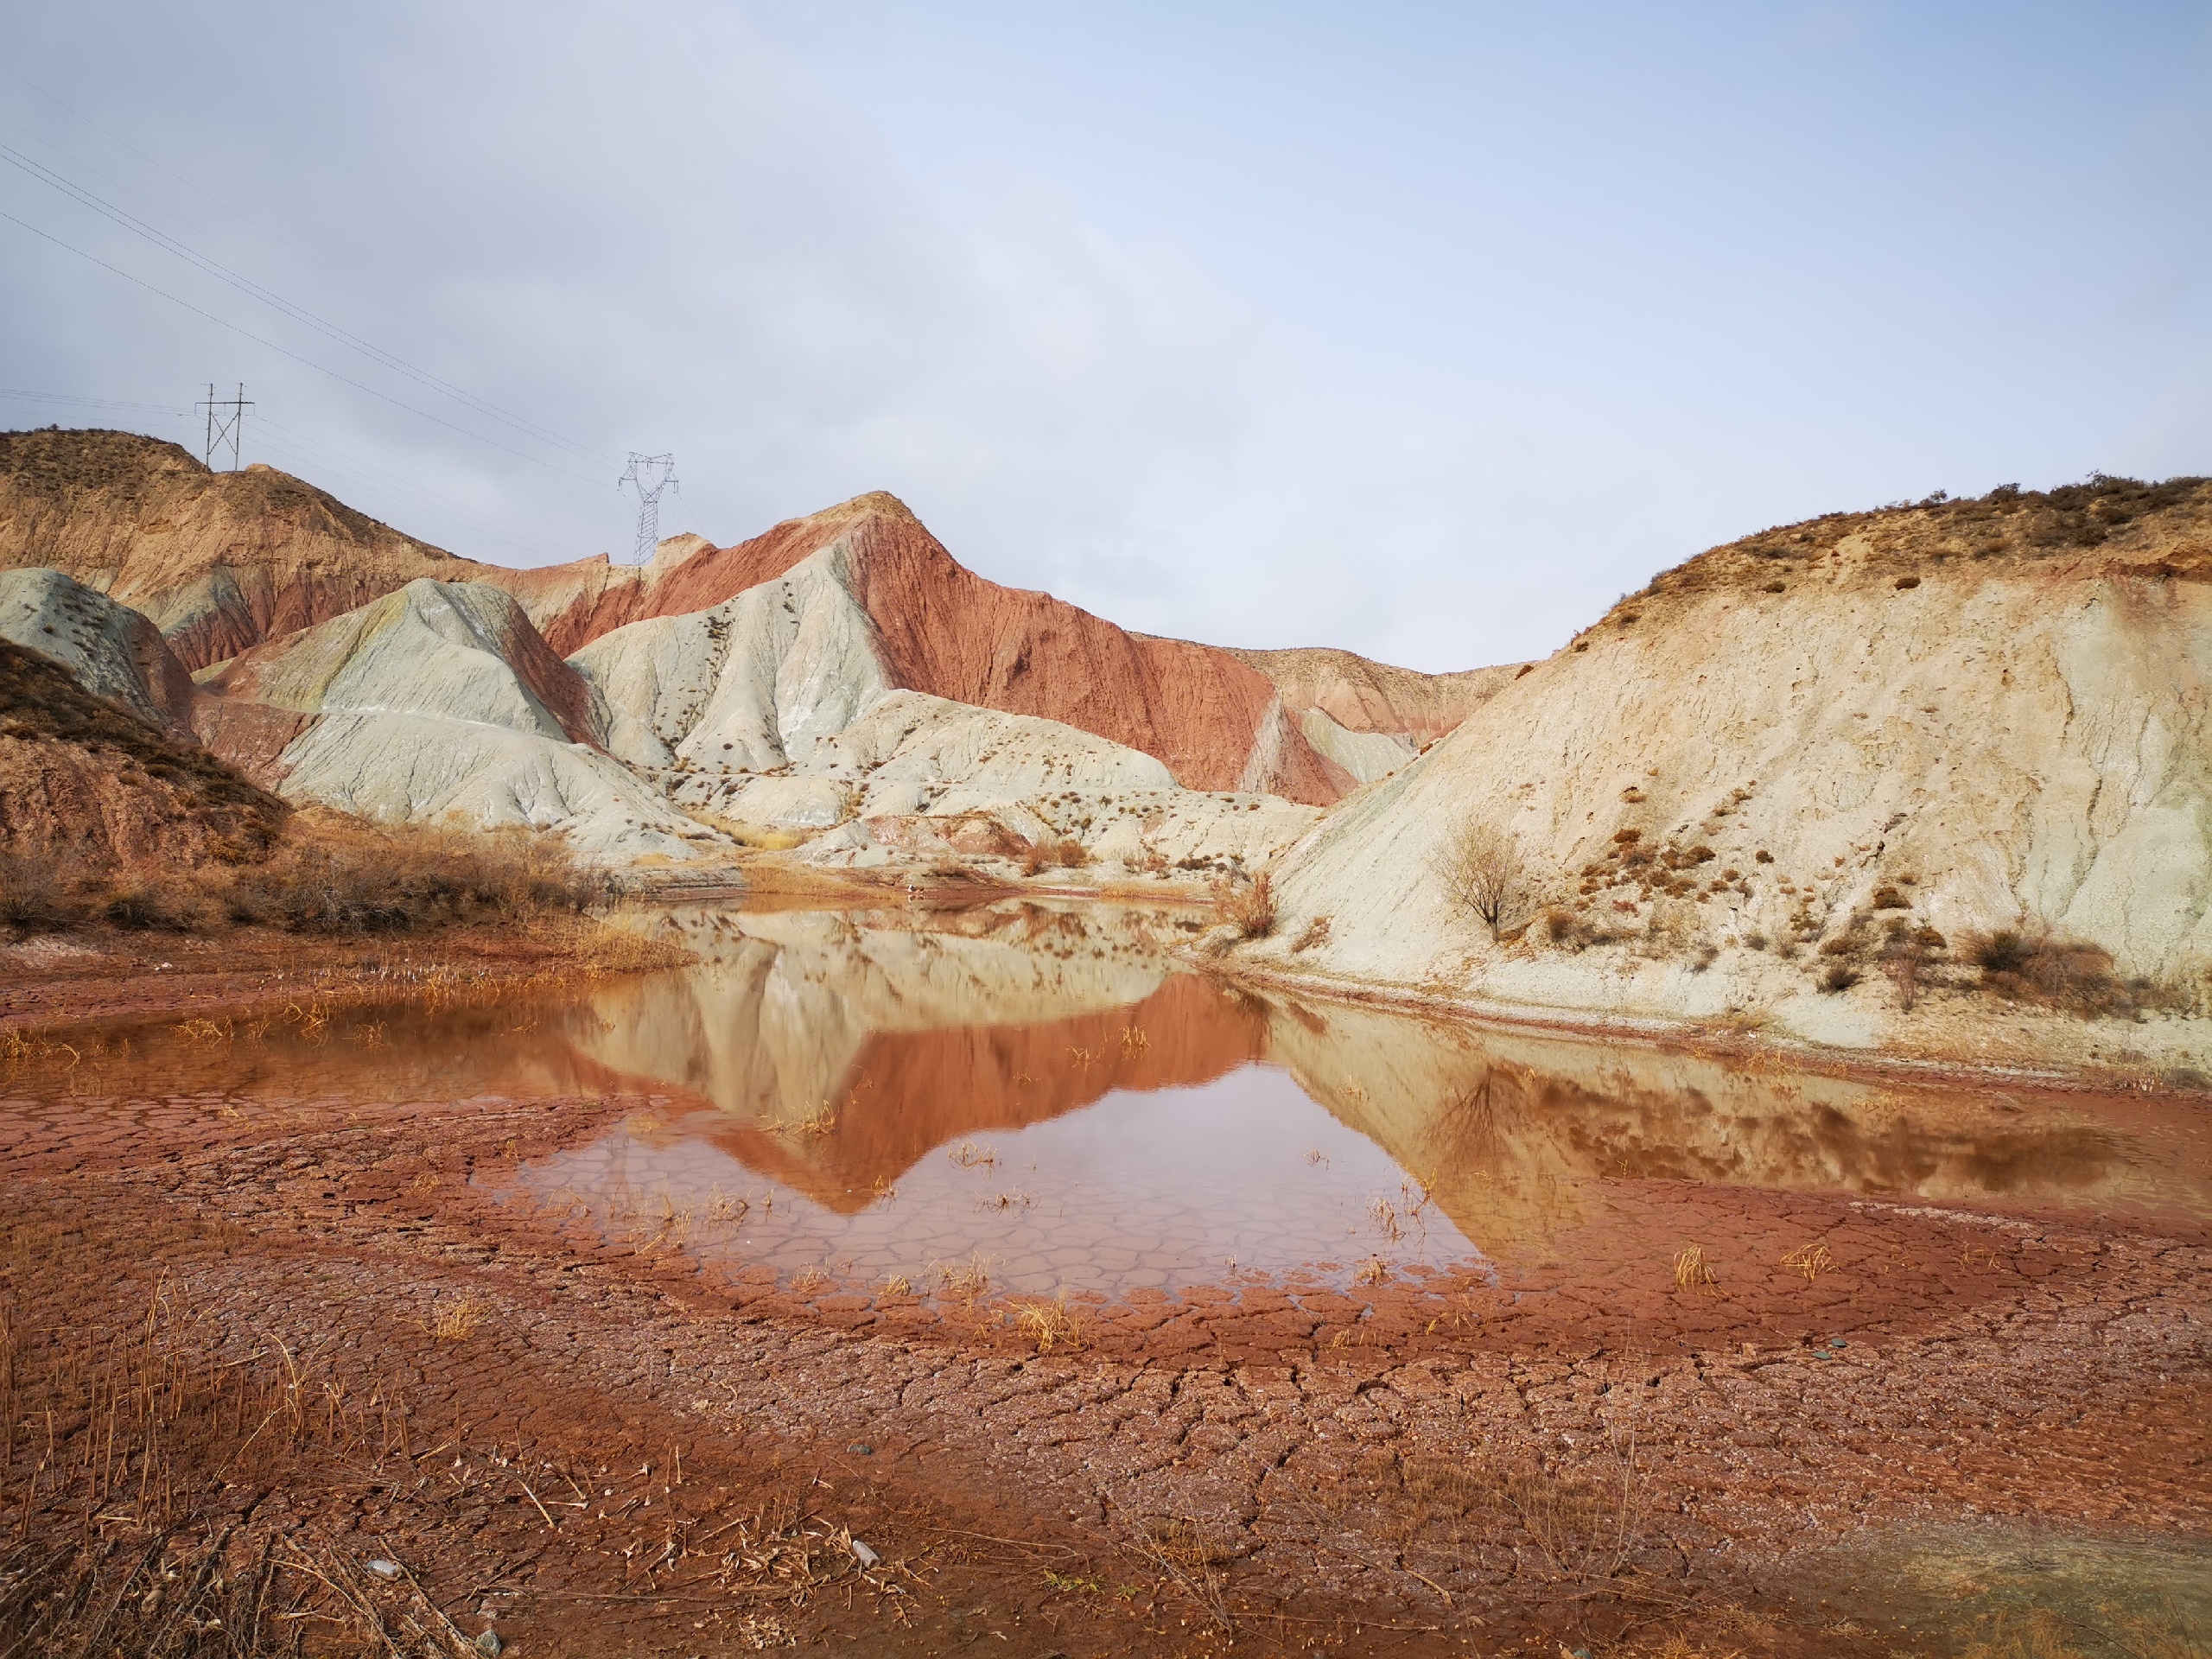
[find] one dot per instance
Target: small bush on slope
(1482, 870)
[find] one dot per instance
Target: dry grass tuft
(1811, 1260)
(1050, 1324)
(1692, 1272)
(965, 1282)
(456, 1320)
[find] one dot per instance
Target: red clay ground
(604, 1449)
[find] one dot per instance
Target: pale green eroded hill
(438, 700)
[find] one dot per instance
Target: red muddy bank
(614, 1444)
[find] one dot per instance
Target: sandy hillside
(87, 785)
(1796, 761)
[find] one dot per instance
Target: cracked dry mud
(611, 1431)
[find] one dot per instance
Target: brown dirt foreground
(251, 1348)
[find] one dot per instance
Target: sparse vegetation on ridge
(1905, 539)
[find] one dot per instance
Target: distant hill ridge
(224, 562)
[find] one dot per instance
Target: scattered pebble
(489, 1644)
(384, 1569)
(863, 1554)
(860, 1449)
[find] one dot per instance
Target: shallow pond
(1043, 1098)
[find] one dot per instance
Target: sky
(1421, 329)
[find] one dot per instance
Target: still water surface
(1045, 1093)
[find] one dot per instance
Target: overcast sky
(1421, 329)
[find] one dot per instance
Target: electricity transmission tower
(648, 475)
(225, 423)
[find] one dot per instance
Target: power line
(298, 312)
(314, 453)
(345, 379)
(90, 402)
(198, 190)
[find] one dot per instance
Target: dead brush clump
(2038, 968)
(116, 1446)
(1185, 1554)
(1065, 854)
(325, 872)
(35, 892)
(209, 1596)
(1247, 906)
(1570, 1525)
(333, 873)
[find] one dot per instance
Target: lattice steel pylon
(648, 475)
(225, 424)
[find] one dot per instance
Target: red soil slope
(943, 629)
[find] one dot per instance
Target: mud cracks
(311, 1333)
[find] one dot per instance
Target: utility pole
(650, 475)
(226, 428)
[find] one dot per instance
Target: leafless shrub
(1905, 956)
(1315, 933)
(1482, 872)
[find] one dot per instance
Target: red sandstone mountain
(224, 561)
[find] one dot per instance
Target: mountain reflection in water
(876, 1092)
(869, 1063)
